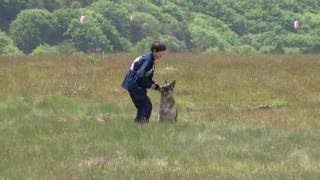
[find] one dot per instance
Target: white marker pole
(296, 24)
(82, 19)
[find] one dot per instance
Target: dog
(167, 110)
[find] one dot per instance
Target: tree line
(251, 26)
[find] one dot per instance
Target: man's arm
(142, 79)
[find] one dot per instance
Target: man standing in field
(139, 79)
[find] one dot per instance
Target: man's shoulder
(148, 56)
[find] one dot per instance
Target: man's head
(158, 49)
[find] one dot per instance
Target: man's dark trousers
(142, 102)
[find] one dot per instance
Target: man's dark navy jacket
(140, 74)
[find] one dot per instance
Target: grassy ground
(66, 117)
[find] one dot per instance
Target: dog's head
(167, 89)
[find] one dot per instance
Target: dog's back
(168, 110)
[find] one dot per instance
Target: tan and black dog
(168, 109)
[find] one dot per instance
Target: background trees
(89, 36)
(33, 27)
(263, 26)
(7, 46)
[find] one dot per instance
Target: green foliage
(9, 9)
(7, 46)
(292, 50)
(181, 31)
(243, 49)
(148, 8)
(66, 47)
(173, 44)
(142, 45)
(88, 36)
(116, 41)
(45, 49)
(64, 17)
(264, 25)
(116, 14)
(33, 27)
(209, 32)
(173, 10)
(144, 25)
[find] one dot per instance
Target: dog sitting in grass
(167, 110)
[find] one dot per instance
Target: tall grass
(240, 117)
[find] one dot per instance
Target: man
(139, 79)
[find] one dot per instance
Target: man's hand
(156, 87)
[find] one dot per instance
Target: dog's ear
(172, 84)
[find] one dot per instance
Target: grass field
(240, 117)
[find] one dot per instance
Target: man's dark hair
(157, 46)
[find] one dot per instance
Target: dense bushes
(263, 26)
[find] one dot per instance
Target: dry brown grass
(227, 85)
